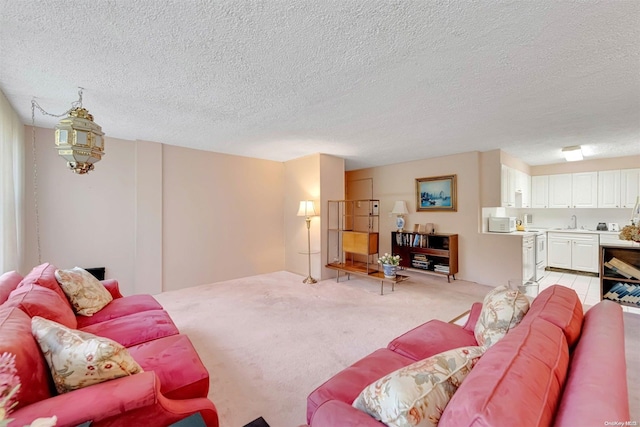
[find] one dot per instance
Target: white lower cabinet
(573, 251)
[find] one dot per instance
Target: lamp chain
(34, 105)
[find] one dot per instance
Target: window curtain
(12, 188)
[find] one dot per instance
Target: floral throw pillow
(78, 359)
(86, 294)
(417, 394)
(502, 309)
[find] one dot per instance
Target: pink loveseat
(173, 386)
(557, 367)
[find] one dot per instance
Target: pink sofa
(557, 367)
(174, 383)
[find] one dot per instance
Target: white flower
(389, 259)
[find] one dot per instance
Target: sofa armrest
(432, 337)
(474, 314)
(132, 399)
(337, 413)
(596, 390)
(113, 287)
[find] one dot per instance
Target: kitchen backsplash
(560, 218)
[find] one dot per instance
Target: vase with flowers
(389, 264)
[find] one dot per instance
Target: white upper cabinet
(609, 189)
(523, 189)
(560, 191)
(540, 191)
(584, 192)
(629, 187)
(508, 187)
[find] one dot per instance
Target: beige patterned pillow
(416, 395)
(79, 359)
(86, 294)
(502, 309)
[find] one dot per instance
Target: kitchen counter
(534, 231)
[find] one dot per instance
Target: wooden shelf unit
(434, 253)
(610, 278)
(352, 235)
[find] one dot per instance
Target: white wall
(398, 182)
(85, 220)
(157, 217)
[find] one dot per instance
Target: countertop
(536, 230)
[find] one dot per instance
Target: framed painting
(437, 193)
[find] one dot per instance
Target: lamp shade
(400, 208)
(307, 208)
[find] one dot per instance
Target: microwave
(499, 224)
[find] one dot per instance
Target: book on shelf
(624, 292)
(616, 270)
(624, 267)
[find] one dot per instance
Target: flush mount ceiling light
(573, 153)
(79, 140)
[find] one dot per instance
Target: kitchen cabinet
(609, 189)
(515, 188)
(508, 187)
(629, 187)
(523, 189)
(560, 191)
(573, 251)
(573, 190)
(584, 190)
(540, 191)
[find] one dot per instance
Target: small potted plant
(389, 264)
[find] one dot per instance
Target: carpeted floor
(269, 340)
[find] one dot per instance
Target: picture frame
(436, 193)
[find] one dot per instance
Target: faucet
(573, 224)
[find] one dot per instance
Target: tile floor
(587, 287)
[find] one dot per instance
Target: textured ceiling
(375, 82)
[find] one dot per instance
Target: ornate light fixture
(79, 140)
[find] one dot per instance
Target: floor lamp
(308, 210)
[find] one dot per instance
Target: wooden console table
(376, 275)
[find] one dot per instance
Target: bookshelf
(352, 239)
(434, 253)
(620, 275)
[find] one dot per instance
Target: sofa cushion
(36, 300)
(502, 309)
(177, 364)
(416, 395)
(562, 307)
(430, 338)
(84, 291)
(8, 282)
(517, 382)
(78, 359)
(120, 307)
(584, 400)
(16, 339)
(135, 328)
(348, 383)
(44, 275)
